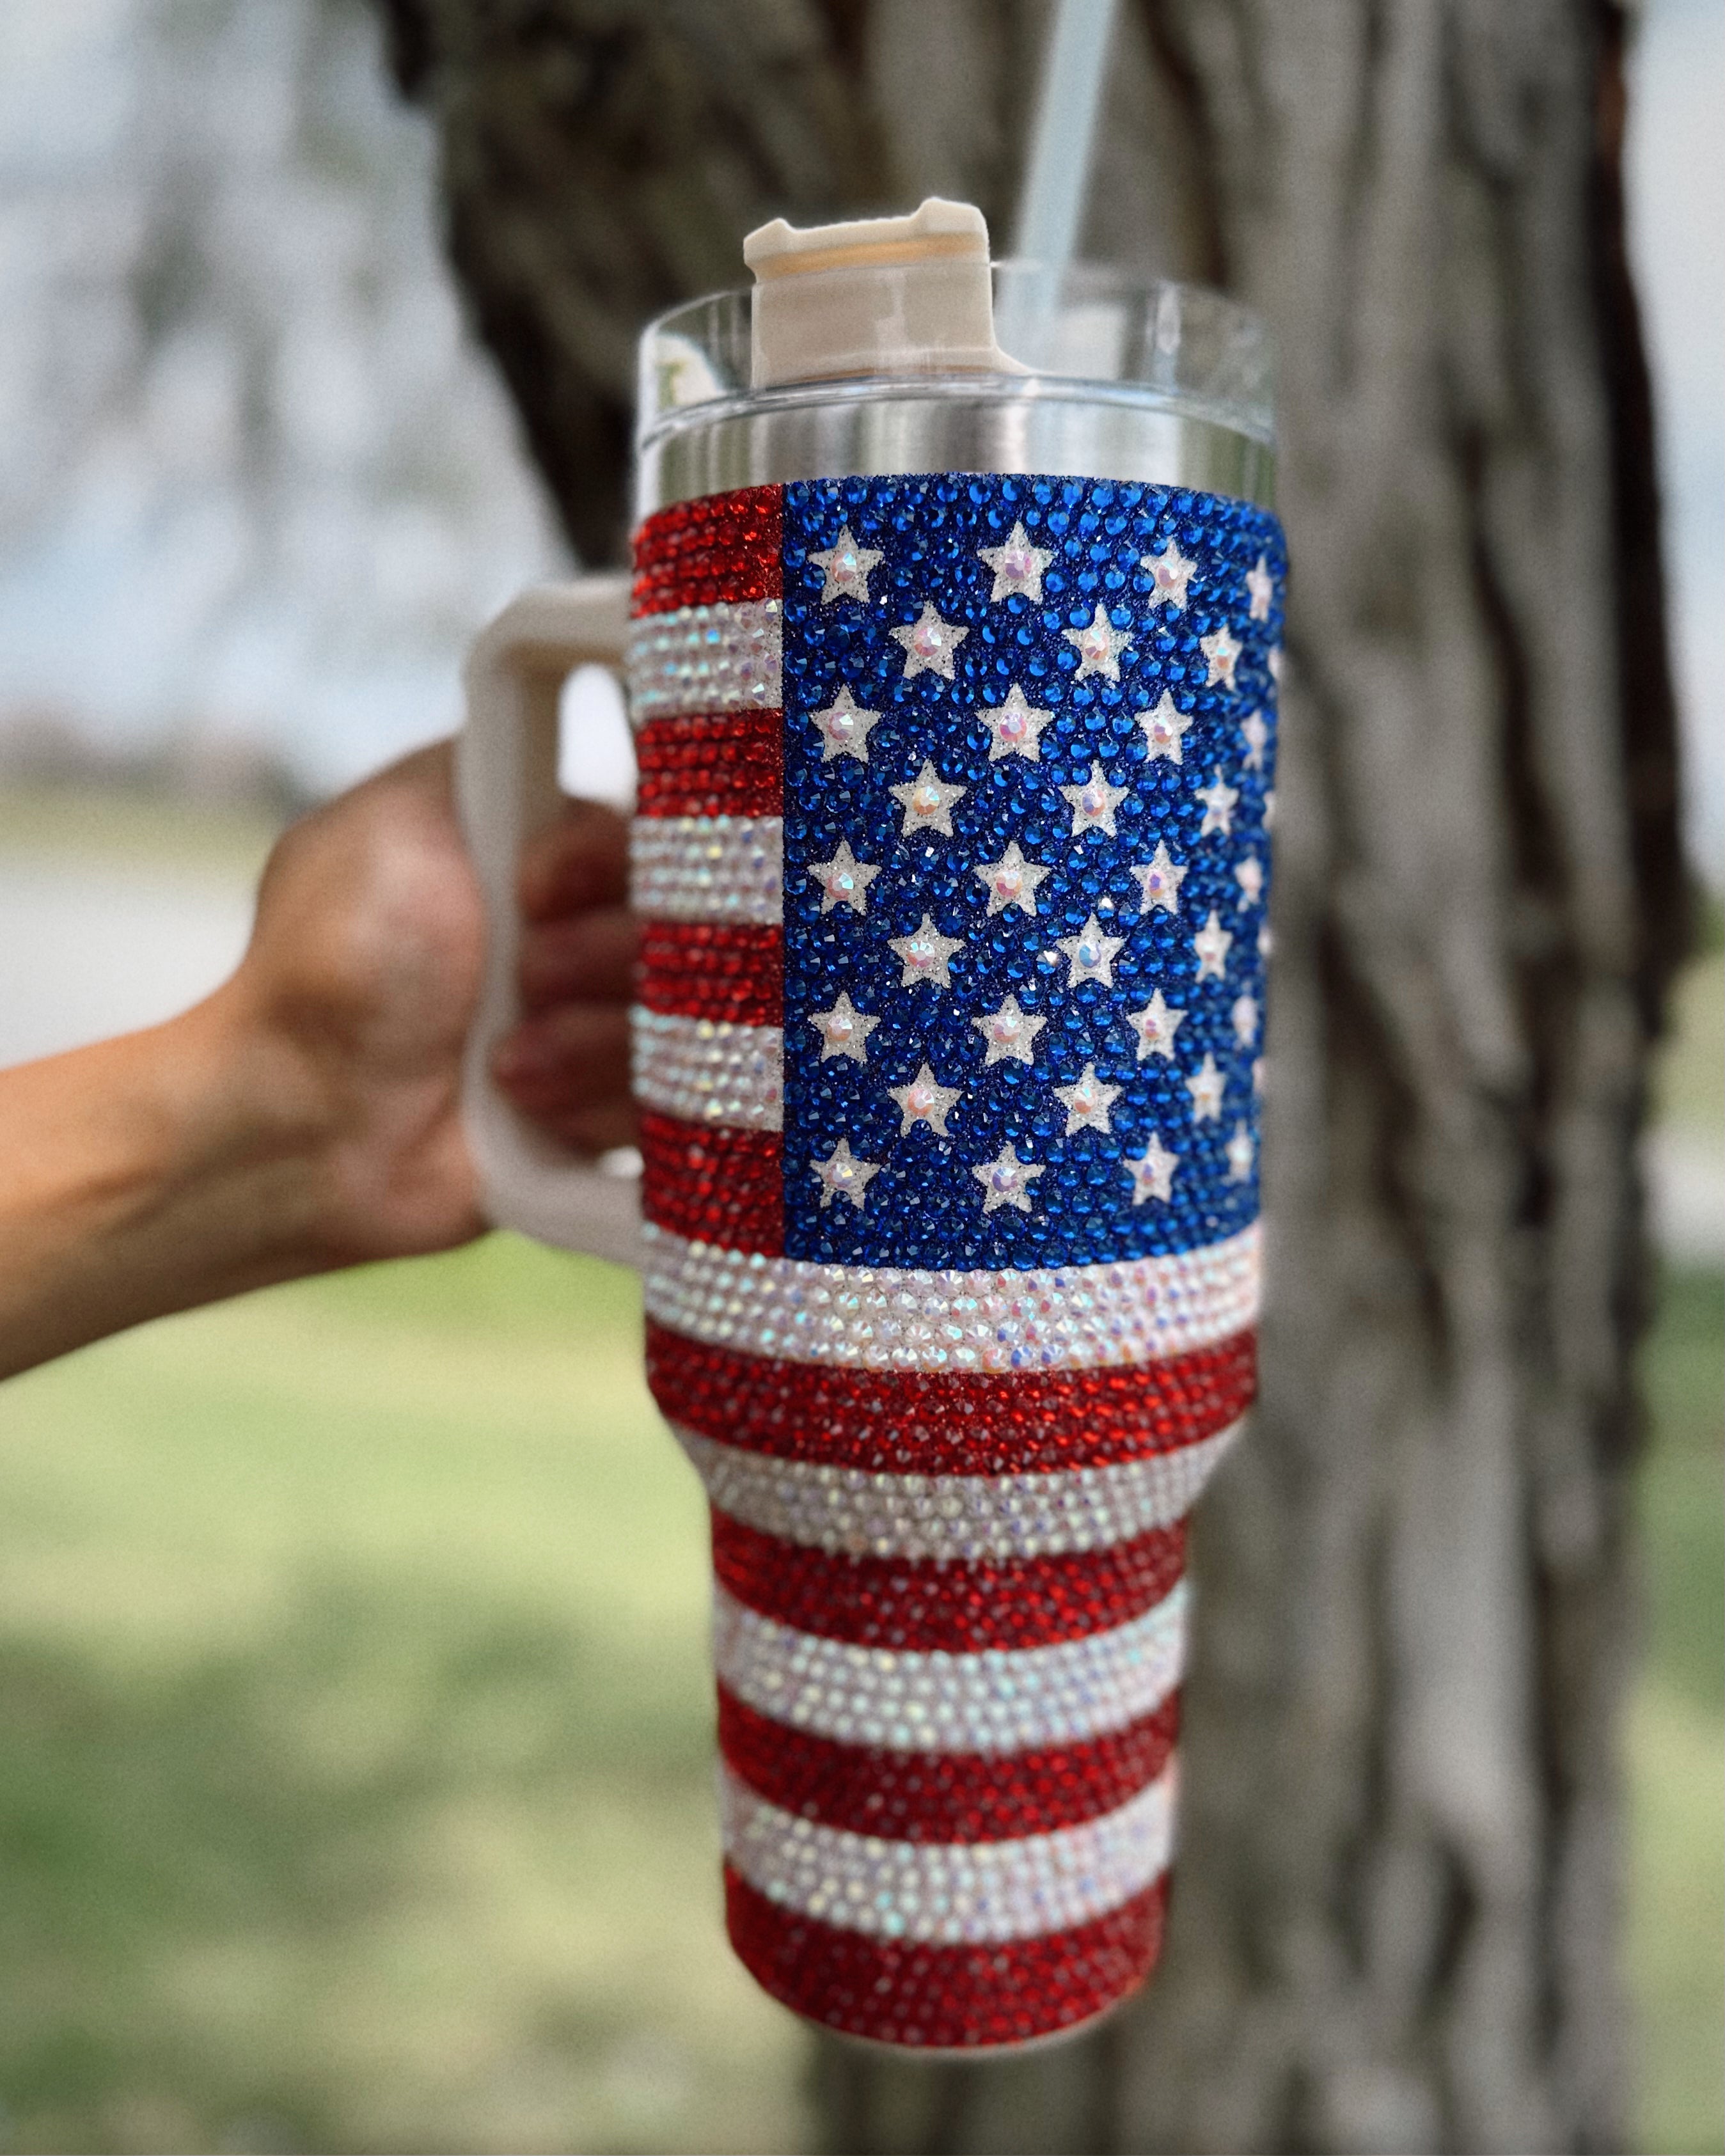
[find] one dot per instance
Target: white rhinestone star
(1152, 1172)
(844, 568)
(1212, 943)
(1246, 1019)
(1261, 585)
(1092, 954)
(843, 1176)
(1239, 1155)
(1163, 728)
(1258, 1073)
(844, 728)
(927, 955)
(929, 643)
(1160, 882)
(1222, 652)
(1016, 726)
(844, 880)
(1257, 740)
(1205, 1086)
(1270, 809)
(1093, 803)
(1011, 880)
(1276, 663)
(1006, 1181)
(1169, 572)
(1100, 646)
(1219, 802)
(1018, 565)
(1087, 1102)
(1156, 1026)
(1010, 1033)
(1249, 875)
(928, 802)
(1266, 942)
(843, 1031)
(924, 1099)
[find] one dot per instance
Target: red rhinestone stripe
(729, 765)
(724, 548)
(944, 1796)
(702, 969)
(944, 1998)
(910, 1422)
(714, 1186)
(919, 1604)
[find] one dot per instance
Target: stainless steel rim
(1100, 431)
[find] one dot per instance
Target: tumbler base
(933, 2000)
(1017, 2047)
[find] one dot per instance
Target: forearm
(148, 1173)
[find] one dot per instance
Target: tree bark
(1394, 1921)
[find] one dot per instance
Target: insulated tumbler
(953, 691)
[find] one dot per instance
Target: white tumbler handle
(505, 791)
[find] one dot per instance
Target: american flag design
(951, 858)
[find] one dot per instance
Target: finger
(571, 1058)
(588, 959)
(591, 1130)
(581, 859)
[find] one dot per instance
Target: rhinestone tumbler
(954, 703)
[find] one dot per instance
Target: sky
(280, 520)
(1676, 195)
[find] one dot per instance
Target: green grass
(123, 827)
(1689, 1075)
(356, 1790)
(1675, 1733)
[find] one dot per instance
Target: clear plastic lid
(1090, 332)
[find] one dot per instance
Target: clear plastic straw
(1058, 173)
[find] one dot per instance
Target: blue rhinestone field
(926, 1207)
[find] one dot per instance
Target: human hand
(307, 1115)
(568, 1064)
(364, 965)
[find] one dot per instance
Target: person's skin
(304, 1116)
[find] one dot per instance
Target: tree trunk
(1394, 1925)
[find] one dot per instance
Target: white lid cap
(877, 296)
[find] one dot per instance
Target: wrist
(148, 1173)
(251, 1121)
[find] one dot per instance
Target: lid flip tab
(889, 295)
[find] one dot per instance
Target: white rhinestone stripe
(707, 868)
(703, 1070)
(1003, 1699)
(951, 1893)
(969, 1517)
(705, 659)
(879, 1317)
